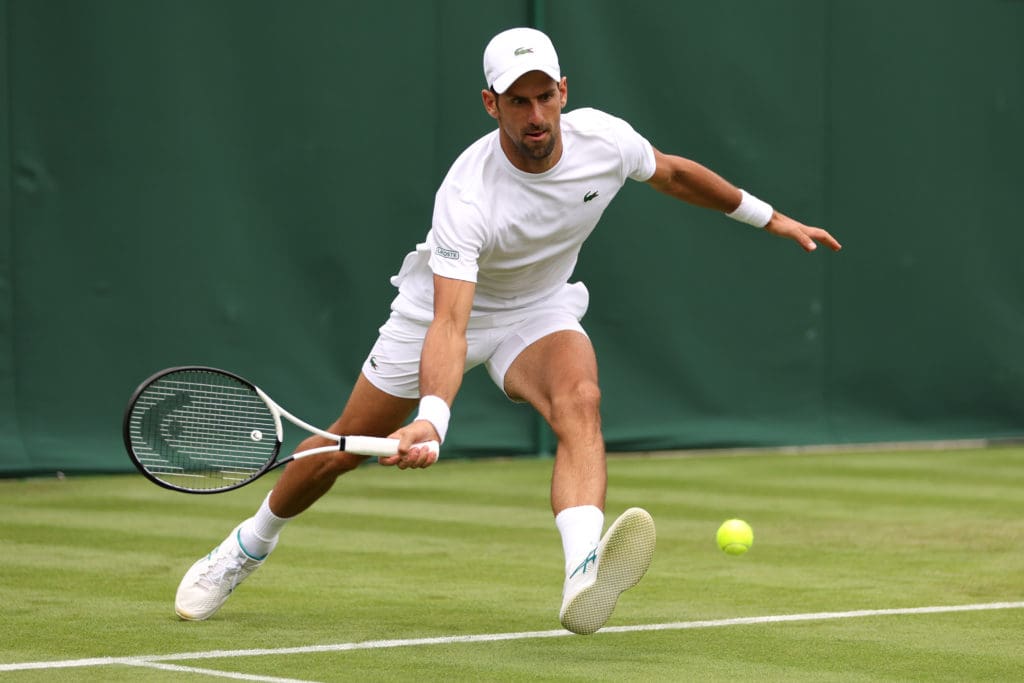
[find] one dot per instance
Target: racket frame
(357, 445)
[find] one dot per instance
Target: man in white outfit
(490, 285)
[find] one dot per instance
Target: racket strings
(202, 430)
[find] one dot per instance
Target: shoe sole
(624, 555)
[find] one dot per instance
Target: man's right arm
(442, 365)
(443, 359)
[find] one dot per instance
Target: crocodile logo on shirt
(590, 195)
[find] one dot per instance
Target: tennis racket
(202, 430)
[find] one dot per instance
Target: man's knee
(580, 401)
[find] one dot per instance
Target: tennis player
(490, 286)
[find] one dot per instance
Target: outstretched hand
(417, 448)
(806, 236)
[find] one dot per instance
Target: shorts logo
(447, 253)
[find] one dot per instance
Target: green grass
(89, 566)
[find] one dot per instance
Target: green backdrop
(232, 182)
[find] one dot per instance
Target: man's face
(529, 119)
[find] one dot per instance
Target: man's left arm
(695, 184)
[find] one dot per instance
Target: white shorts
(494, 340)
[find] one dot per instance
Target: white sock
(581, 532)
(258, 533)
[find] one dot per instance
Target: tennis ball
(735, 536)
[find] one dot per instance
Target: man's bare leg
(558, 376)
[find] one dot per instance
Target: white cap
(514, 52)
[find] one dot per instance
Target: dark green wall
(231, 183)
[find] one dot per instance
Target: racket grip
(382, 448)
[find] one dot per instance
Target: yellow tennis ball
(735, 536)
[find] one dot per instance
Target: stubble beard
(535, 151)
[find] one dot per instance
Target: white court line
(215, 672)
(148, 660)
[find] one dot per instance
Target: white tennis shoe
(208, 584)
(617, 564)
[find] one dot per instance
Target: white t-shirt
(517, 235)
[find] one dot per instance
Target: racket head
(197, 429)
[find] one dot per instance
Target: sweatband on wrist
(752, 211)
(434, 410)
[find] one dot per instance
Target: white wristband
(434, 410)
(752, 211)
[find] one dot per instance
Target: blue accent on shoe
(247, 553)
(582, 568)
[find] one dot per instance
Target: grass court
(901, 565)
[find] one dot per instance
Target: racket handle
(382, 448)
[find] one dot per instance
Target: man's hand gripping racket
(202, 430)
(422, 450)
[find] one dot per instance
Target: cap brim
(505, 80)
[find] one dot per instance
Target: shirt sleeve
(456, 237)
(637, 153)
